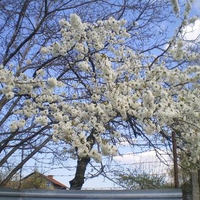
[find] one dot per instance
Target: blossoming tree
(97, 88)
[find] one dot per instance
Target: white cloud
(146, 161)
(192, 31)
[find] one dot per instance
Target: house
(37, 180)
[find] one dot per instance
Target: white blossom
(9, 95)
(112, 83)
(44, 50)
(13, 126)
(95, 155)
(52, 82)
(76, 22)
(176, 7)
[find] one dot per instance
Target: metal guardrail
(165, 194)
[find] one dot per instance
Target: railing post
(195, 185)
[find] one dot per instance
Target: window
(48, 184)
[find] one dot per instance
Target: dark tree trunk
(77, 182)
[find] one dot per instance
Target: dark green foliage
(142, 180)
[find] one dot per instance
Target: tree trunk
(78, 181)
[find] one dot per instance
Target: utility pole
(175, 160)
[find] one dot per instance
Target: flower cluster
(111, 82)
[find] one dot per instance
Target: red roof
(50, 178)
